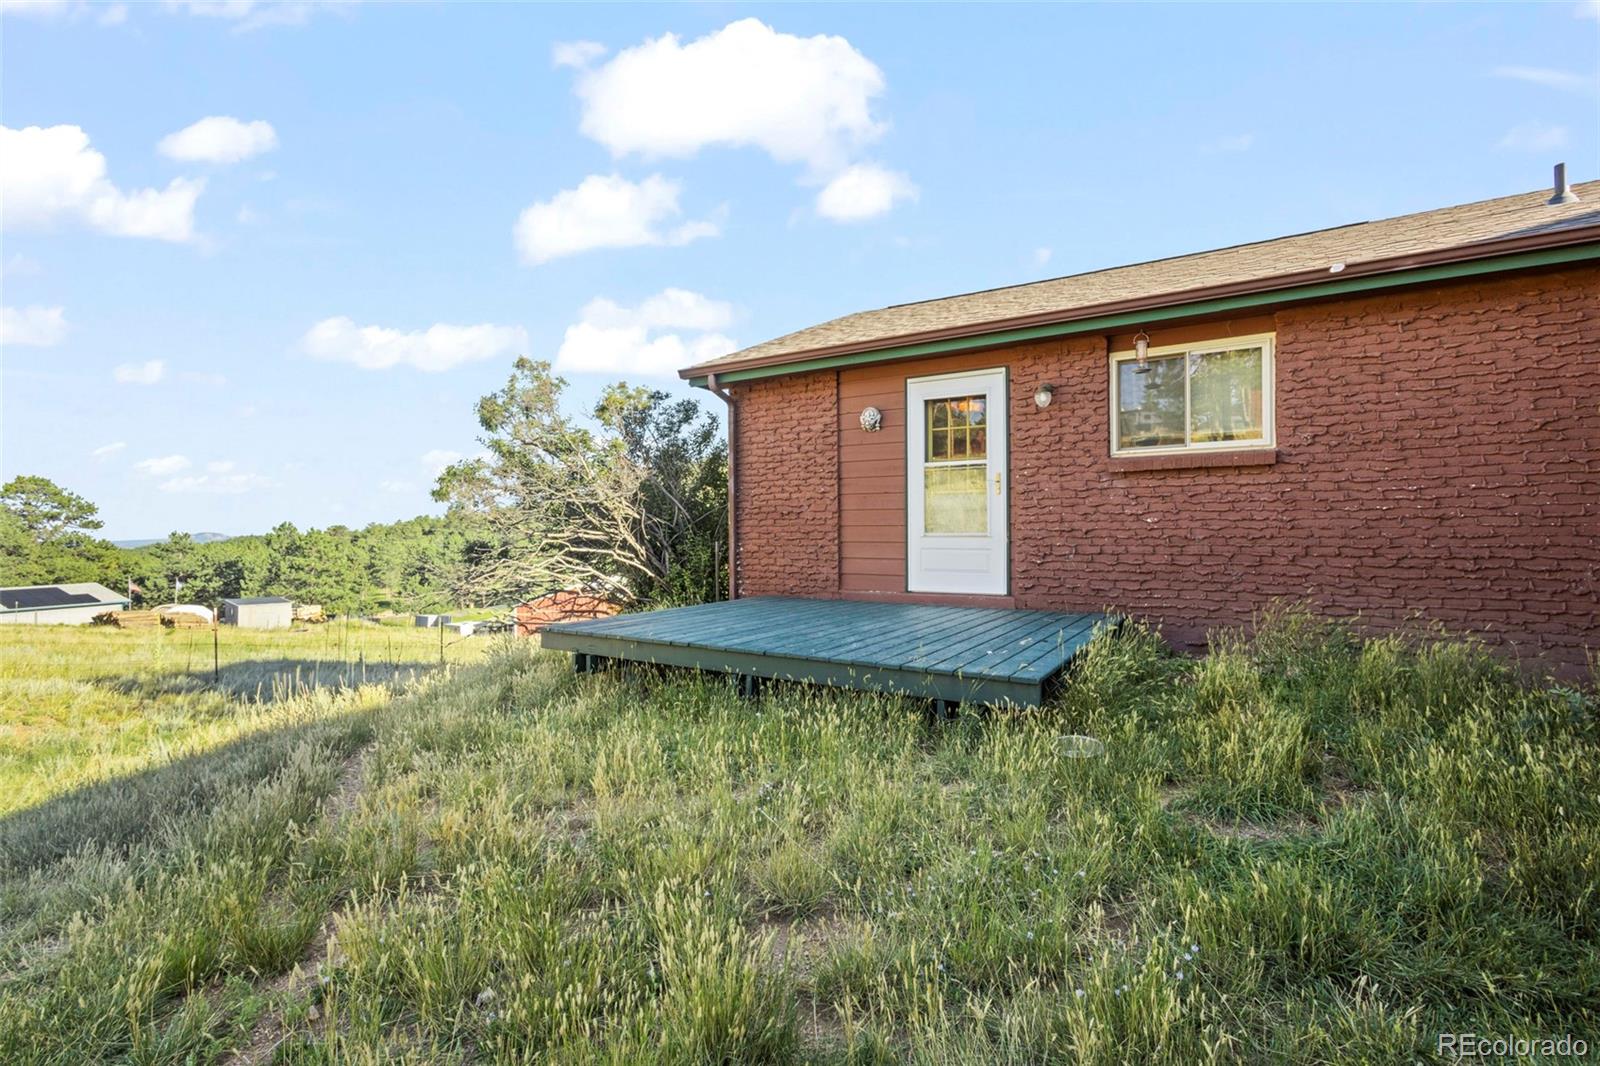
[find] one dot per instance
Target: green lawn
(1302, 848)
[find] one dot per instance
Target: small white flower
(1179, 975)
(1078, 993)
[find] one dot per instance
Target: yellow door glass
(954, 476)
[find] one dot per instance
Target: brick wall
(788, 501)
(1438, 461)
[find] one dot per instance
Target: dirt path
(269, 1032)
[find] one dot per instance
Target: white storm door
(956, 483)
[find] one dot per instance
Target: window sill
(1134, 464)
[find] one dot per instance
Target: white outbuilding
(258, 612)
(74, 603)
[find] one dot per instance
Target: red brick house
(1397, 421)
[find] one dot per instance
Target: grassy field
(1302, 848)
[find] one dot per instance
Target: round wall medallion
(872, 420)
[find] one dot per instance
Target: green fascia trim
(1421, 275)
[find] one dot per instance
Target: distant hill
(199, 538)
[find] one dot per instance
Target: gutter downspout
(733, 514)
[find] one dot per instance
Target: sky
(260, 261)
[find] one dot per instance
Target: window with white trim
(1193, 396)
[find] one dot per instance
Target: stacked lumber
(130, 619)
(183, 620)
(309, 612)
(563, 606)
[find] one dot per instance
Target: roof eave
(1527, 251)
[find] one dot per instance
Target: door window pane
(1225, 394)
(954, 499)
(1150, 405)
(950, 428)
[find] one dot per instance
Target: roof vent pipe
(1564, 193)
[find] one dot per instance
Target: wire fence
(251, 663)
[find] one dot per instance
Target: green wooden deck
(960, 654)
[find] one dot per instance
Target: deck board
(978, 654)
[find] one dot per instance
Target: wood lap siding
(872, 482)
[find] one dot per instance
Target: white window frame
(1269, 432)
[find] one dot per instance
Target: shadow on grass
(268, 680)
(122, 812)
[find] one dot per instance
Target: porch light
(1043, 395)
(1141, 350)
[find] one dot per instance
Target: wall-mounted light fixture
(1141, 351)
(1043, 395)
(871, 419)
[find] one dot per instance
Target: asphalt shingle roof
(1525, 214)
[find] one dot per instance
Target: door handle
(997, 484)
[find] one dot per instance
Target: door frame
(913, 471)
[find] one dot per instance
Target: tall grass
(1303, 847)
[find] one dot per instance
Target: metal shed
(74, 603)
(258, 612)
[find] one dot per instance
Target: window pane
(954, 499)
(938, 414)
(1225, 396)
(975, 411)
(939, 444)
(977, 444)
(1150, 406)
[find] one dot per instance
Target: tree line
(627, 500)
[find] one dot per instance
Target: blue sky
(260, 261)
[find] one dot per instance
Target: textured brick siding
(1438, 462)
(788, 499)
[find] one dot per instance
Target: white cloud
(146, 373)
(391, 485)
(576, 54)
(437, 459)
(247, 15)
(227, 484)
(1548, 77)
(106, 451)
(40, 9)
(19, 265)
(107, 15)
(863, 191)
(439, 347)
(800, 99)
(1041, 256)
(609, 338)
(219, 139)
(1534, 137)
(1237, 142)
(52, 174)
(605, 211)
(162, 466)
(220, 466)
(34, 327)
